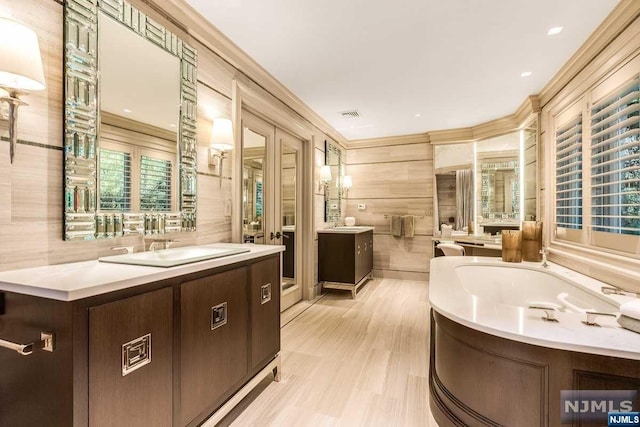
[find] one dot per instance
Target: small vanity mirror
(333, 189)
(130, 117)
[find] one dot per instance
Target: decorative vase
(531, 240)
(512, 245)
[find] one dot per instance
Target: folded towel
(396, 225)
(629, 323)
(446, 230)
(631, 309)
(409, 225)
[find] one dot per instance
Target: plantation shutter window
(155, 184)
(568, 174)
(615, 161)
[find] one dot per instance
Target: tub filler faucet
(617, 291)
(544, 251)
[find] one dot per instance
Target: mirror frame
(330, 216)
(82, 111)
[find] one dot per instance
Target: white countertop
(355, 229)
(449, 298)
(77, 280)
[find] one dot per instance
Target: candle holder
(511, 245)
(531, 241)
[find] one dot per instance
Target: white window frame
(622, 249)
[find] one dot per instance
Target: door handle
(278, 235)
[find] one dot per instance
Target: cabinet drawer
(130, 361)
(214, 348)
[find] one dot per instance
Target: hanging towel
(409, 225)
(396, 225)
(631, 309)
(629, 323)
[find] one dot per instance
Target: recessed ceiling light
(525, 74)
(172, 125)
(554, 30)
(126, 110)
(418, 115)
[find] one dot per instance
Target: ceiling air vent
(351, 114)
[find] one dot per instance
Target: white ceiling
(456, 63)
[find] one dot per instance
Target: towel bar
(46, 343)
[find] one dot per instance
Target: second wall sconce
(221, 142)
(325, 176)
(20, 71)
(347, 183)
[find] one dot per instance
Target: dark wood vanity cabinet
(345, 257)
(265, 311)
(166, 353)
(214, 347)
(121, 333)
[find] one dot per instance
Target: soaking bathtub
(495, 361)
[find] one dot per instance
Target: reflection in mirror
(333, 191)
(530, 158)
(498, 167)
(130, 124)
(288, 207)
(453, 165)
(253, 153)
(138, 152)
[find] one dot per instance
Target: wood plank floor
(347, 362)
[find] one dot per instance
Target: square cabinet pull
(265, 293)
(136, 354)
(218, 315)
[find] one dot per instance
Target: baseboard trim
(401, 275)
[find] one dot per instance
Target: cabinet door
(130, 361)
(362, 251)
(214, 328)
(265, 310)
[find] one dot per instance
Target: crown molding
(623, 15)
(418, 138)
(201, 30)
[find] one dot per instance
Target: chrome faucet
(616, 291)
(544, 251)
(160, 244)
(128, 249)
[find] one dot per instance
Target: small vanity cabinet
(169, 352)
(345, 258)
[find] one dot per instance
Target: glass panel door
(257, 205)
(290, 214)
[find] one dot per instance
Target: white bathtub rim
(449, 298)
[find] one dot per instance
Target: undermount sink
(173, 257)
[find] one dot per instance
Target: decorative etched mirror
(333, 190)
(130, 124)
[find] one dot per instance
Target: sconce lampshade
(222, 135)
(347, 183)
(21, 65)
(325, 173)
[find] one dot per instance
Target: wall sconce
(347, 183)
(221, 142)
(20, 71)
(325, 176)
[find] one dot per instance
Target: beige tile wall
(394, 180)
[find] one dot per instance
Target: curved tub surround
(507, 318)
(77, 280)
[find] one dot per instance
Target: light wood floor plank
(348, 362)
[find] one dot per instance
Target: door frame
(262, 106)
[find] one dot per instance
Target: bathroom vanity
(137, 345)
(345, 257)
